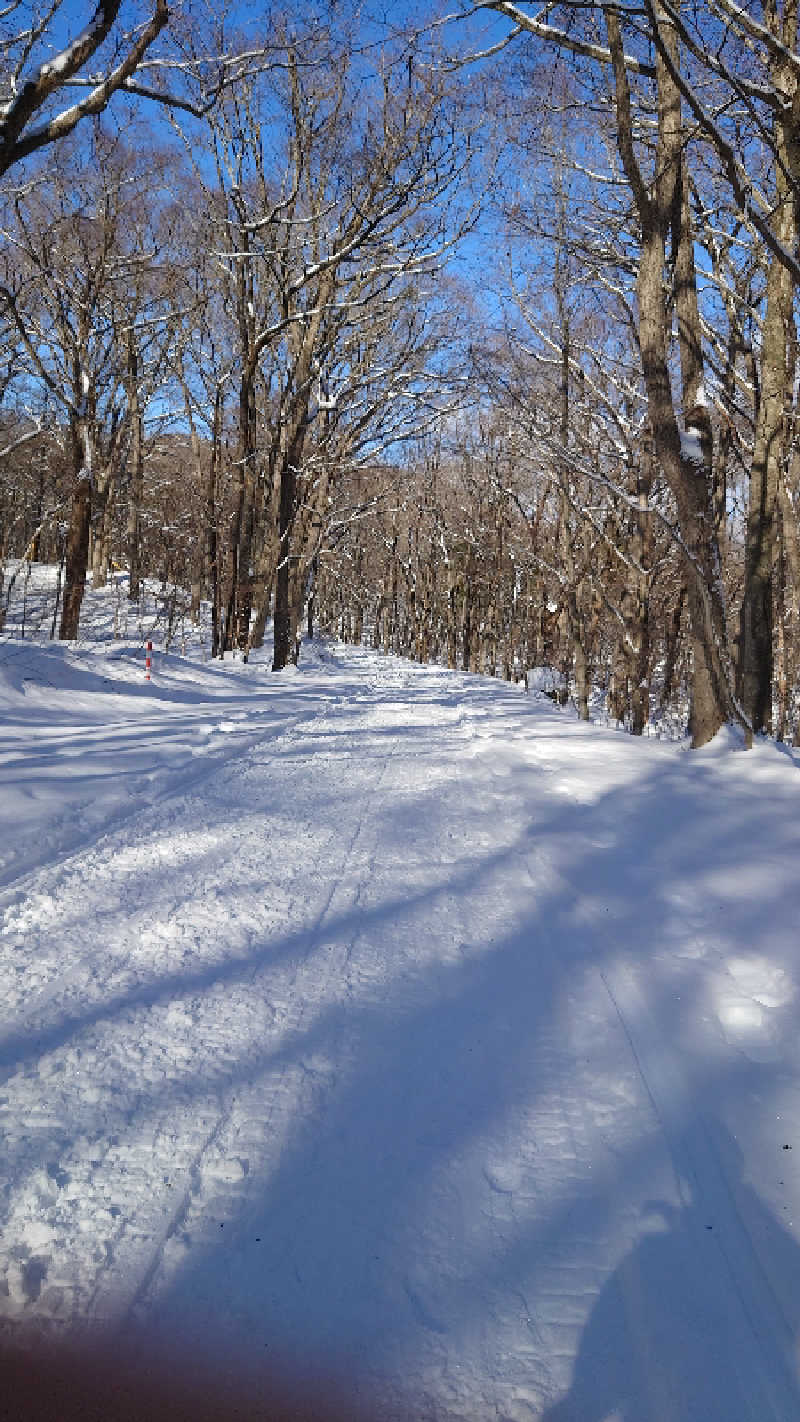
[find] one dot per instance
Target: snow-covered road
(389, 1025)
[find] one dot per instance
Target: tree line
(475, 338)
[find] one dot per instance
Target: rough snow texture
(393, 1026)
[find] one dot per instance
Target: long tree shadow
(357, 1254)
(323, 1270)
(361, 1249)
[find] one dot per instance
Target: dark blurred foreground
(49, 1384)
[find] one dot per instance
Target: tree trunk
(640, 623)
(136, 489)
(242, 524)
(673, 642)
(77, 551)
(102, 528)
(757, 620)
(287, 506)
(657, 204)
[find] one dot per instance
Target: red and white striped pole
(148, 661)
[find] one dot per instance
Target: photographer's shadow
(700, 1321)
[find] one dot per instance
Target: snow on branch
(17, 137)
(548, 32)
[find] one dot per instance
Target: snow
(728, 738)
(393, 1027)
(691, 445)
(545, 680)
(63, 64)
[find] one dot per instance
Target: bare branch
(544, 31)
(17, 139)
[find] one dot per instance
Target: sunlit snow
(392, 1026)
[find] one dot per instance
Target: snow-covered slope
(393, 1026)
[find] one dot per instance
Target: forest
(465, 331)
(378, 1041)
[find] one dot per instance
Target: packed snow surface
(389, 1025)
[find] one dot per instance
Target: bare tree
(78, 297)
(650, 136)
(328, 225)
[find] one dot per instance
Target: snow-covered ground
(392, 1026)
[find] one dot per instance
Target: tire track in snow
(704, 1184)
(316, 981)
(339, 978)
(138, 1254)
(554, 1172)
(42, 1031)
(515, 1092)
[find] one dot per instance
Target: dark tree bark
(287, 508)
(761, 544)
(656, 203)
(77, 549)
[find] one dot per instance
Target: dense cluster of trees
(502, 373)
